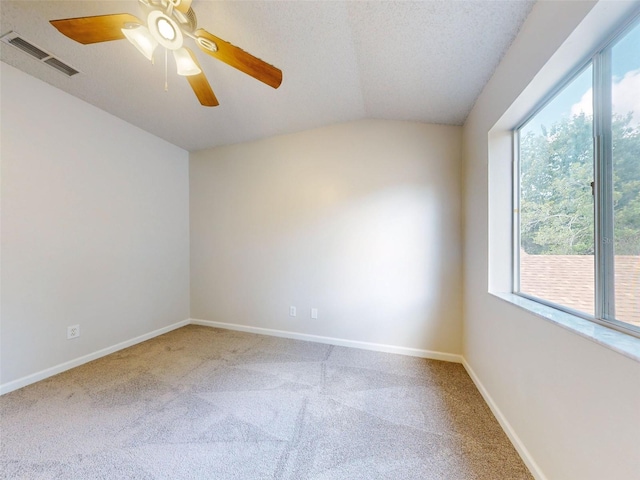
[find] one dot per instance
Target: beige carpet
(204, 403)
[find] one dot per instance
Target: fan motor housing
(187, 21)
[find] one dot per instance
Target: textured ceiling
(341, 61)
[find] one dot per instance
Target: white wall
(94, 228)
(359, 220)
(572, 403)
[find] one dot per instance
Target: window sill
(622, 343)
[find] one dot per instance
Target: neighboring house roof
(569, 280)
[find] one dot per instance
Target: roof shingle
(569, 280)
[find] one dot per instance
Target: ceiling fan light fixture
(165, 30)
(167, 23)
(184, 62)
(141, 38)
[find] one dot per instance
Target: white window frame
(600, 61)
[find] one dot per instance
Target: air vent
(15, 40)
(28, 48)
(63, 67)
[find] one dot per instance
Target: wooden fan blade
(101, 28)
(184, 6)
(238, 58)
(201, 87)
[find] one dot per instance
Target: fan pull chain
(166, 80)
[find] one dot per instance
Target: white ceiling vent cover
(15, 40)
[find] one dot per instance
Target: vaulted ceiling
(341, 60)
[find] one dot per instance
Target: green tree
(556, 200)
(626, 182)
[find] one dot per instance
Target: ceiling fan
(167, 23)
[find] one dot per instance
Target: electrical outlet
(292, 311)
(73, 331)
(314, 313)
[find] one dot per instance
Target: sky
(577, 96)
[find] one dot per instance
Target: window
(577, 215)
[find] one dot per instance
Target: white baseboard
(528, 460)
(378, 347)
(414, 352)
(49, 372)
